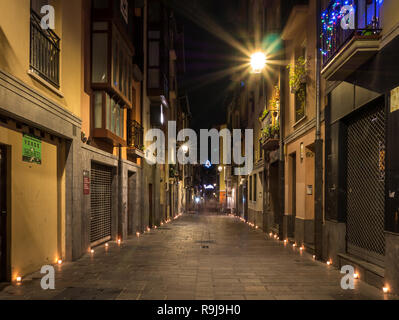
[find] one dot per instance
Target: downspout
(121, 205)
(281, 150)
(318, 223)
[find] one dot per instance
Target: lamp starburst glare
(258, 62)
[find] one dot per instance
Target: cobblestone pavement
(195, 257)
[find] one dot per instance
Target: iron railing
(362, 22)
(135, 135)
(44, 51)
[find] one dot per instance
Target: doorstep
(4, 285)
(368, 272)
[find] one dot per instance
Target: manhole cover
(205, 241)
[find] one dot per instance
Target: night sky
(206, 54)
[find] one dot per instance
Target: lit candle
(60, 261)
(19, 279)
(385, 289)
(356, 275)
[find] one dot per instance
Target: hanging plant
(264, 115)
(300, 97)
(271, 131)
(298, 74)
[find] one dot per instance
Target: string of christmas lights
(330, 18)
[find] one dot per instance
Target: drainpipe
(281, 151)
(318, 218)
(121, 205)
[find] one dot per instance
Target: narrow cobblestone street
(195, 257)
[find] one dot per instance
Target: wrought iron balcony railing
(135, 135)
(44, 51)
(344, 20)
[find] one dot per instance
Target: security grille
(366, 185)
(101, 204)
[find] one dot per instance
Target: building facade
(41, 91)
(76, 102)
(361, 226)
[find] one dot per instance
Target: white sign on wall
(395, 99)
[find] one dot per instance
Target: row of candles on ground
(58, 261)
(148, 229)
(294, 245)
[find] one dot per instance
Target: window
(98, 110)
(114, 114)
(36, 5)
(300, 94)
(121, 67)
(255, 185)
(111, 62)
(100, 58)
(250, 188)
(300, 102)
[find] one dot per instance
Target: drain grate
(205, 241)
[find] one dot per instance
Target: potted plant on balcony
(271, 132)
(264, 115)
(298, 74)
(275, 130)
(265, 133)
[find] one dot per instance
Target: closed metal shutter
(366, 185)
(101, 203)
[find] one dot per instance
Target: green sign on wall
(31, 149)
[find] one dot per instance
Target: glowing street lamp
(258, 62)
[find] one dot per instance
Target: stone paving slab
(205, 257)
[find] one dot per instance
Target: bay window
(108, 117)
(112, 59)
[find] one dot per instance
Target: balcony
(44, 51)
(135, 139)
(270, 137)
(350, 37)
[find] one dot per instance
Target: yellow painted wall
(34, 207)
(305, 175)
(15, 48)
(305, 36)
